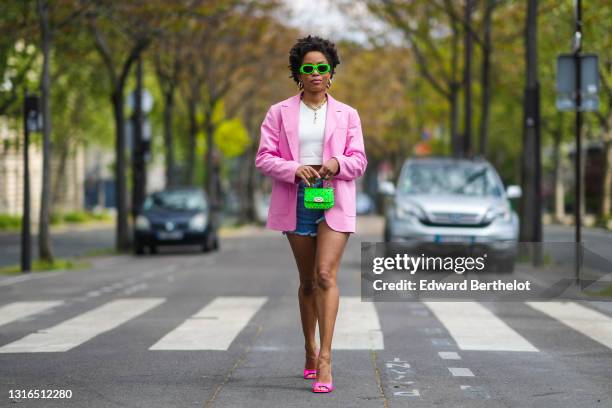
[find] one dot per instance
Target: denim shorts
(307, 219)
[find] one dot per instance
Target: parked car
(365, 204)
(178, 216)
(445, 200)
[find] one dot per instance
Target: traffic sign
(566, 82)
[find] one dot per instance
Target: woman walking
(305, 140)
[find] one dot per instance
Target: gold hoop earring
(329, 83)
(300, 84)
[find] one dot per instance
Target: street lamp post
(578, 161)
(577, 90)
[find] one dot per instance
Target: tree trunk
(531, 219)
(606, 188)
(606, 180)
(122, 237)
(486, 78)
(250, 186)
(558, 171)
(210, 159)
(44, 245)
(246, 185)
(454, 93)
(168, 136)
(248, 203)
(213, 174)
(467, 81)
(193, 131)
(139, 168)
(59, 178)
(583, 159)
(454, 120)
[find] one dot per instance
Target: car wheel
(386, 235)
(206, 245)
(216, 243)
(209, 243)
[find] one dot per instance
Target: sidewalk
(68, 227)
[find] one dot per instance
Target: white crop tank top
(311, 134)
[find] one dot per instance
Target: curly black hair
(307, 44)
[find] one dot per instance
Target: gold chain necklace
(315, 109)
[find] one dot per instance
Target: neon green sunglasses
(310, 68)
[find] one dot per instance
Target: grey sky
(325, 18)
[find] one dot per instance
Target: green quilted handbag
(319, 198)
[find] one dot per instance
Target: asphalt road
(186, 329)
(80, 240)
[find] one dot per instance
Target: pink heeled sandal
(311, 374)
(322, 387)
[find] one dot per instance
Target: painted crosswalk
(474, 327)
(589, 322)
(214, 327)
(18, 310)
(218, 323)
(357, 326)
(84, 327)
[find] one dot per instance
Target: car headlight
(142, 223)
(407, 211)
(496, 212)
(198, 222)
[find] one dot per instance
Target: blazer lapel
(290, 112)
(331, 119)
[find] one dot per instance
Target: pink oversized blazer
(278, 157)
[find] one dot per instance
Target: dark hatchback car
(175, 217)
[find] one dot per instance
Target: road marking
(401, 378)
(24, 278)
(460, 372)
(474, 327)
(441, 342)
(449, 355)
(73, 332)
(589, 322)
(472, 391)
(18, 310)
(214, 327)
(357, 326)
(433, 330)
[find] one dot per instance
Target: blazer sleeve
(353, 161)
(268, 160)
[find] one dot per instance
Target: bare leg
(304, 248)
(330, 247)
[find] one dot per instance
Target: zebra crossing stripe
(461, 372)
(214, 327)
(79, 329)
(18, 310)
(589, 322)
(357, 326)
(474, 327)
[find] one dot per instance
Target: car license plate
(454, 238)
(170, 235)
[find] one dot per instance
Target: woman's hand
(330, 168)
(307, 173)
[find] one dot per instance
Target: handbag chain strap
(325, 180)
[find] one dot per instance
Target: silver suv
(445, 200)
